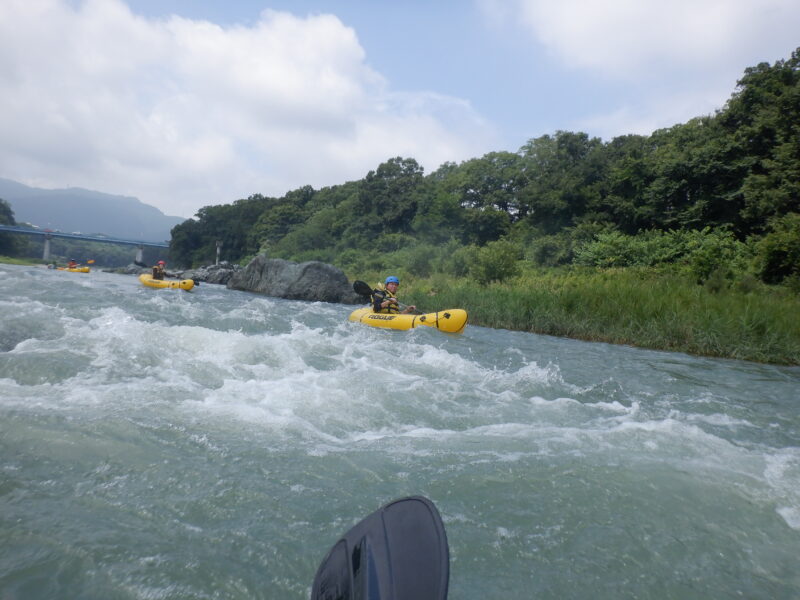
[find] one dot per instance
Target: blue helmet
(392, 279)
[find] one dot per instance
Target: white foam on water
(791, 515)
(782, 474)
(718, 419)
(287, 398)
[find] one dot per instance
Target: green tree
(8, 243)
(564, 179)
(386, 202)
(317, 234)
(461, 212)
(630, 173)
(763, 116)
(492, 181)
(279, 217)
(439, 218)
(194, 242)
(185, 239)
(697, 172)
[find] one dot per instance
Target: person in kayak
(384, 298)
(158, 270)
(72, 264)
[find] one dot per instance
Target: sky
(189, 103)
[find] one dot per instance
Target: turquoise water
(214, 444)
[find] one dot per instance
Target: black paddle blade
(399, 552)
(362, 288)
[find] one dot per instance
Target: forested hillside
(719, 195)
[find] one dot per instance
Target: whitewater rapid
(214, 444)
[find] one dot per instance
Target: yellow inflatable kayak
(452, 320)
(147, 279)
(75, 270)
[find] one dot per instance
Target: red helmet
(161, 262)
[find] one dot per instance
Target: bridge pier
(46, 253)
(139, 253)
(219, 247)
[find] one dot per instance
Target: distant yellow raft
(452, 320)
(184, 284)
(75, 270)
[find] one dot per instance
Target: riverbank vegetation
(641, 307)
(686, 239)
(9, 260)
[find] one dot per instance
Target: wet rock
(219, 274)
(130, 269)
(313, 281)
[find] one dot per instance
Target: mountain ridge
(88, 211)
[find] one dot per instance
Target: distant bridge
(48, 235)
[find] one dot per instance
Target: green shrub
(715, 253)
(496, 261)
(550, 250)
(716, 281)
(458, 263)
(417, 259)
(747, 284)
(359, 261)
(778, 252)
(793, 284)
(390, 242)
(245, 260)
(420, 260)
(443, 260)
(701, 252)
(612, 249)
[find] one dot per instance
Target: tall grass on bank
(20, 261)
(642, 308)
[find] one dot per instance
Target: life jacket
(379, 294)
(158, 272)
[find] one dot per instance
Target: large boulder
(220, 273)
(314, 281)
(131, 269)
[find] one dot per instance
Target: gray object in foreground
(399, 552)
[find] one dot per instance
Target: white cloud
(670, 61)
(184, 113)
(629, 39)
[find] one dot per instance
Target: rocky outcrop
(219, 274)
(131, 269)
(314, 281)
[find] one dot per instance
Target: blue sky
(186, 103)
(444, 46)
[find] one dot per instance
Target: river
(214, 444)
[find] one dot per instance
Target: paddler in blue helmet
(384, 298)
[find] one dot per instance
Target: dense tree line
(8, 242)
(729, 181)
